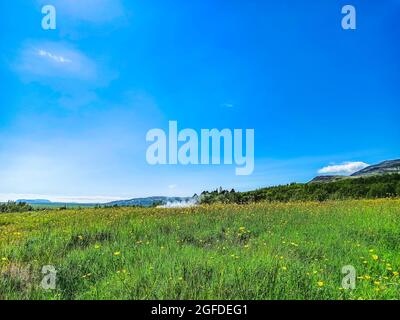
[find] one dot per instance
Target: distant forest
(372, 187)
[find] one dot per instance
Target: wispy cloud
(65, 69)
(41, 60)
(58, 59)
(344, 168)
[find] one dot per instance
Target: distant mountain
(142, 202)
(35, 201)
(148, 202)
(385, 167)
(390, 166)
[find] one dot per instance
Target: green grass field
(261, 251)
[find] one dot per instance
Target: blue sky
(76, 102)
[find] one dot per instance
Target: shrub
(12, 206)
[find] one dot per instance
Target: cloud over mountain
(344, 168)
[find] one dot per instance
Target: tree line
(372, 187)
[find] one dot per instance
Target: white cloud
(40, 61)
(60, 66)
(344, 168)
(59, 59)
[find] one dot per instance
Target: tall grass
(262, 251)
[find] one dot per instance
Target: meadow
(255, 251)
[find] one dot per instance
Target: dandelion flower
(320, 284)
